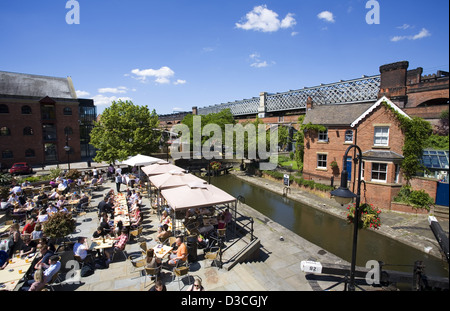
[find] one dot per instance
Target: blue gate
(442, 194)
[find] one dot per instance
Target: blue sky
(174, 54)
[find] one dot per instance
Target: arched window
(67, 111)
(28, 131)
(4, 108)
(68, 131)
(4, 131)
(26, 109)
(29, 153)
(7, 154)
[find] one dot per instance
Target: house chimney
(194, 111)
(309, 103)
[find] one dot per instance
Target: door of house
(349, 168)
(442, 194)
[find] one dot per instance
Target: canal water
(331, 233)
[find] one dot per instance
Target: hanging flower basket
(215, 165)
(370, 216)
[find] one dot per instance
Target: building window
(363, 165)
(379, 172)
(68, 131)
(348, 136)
(322, 161)
(7, 154)
(29, 153)
(381, 136)
(323, 136)
(28, 131)
(49, 132)
(4, 131)
(397, 173)
(67, 111)
(26, 109)
(4, 109)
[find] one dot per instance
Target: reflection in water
(331, 233)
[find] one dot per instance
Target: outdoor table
(206, 229)
(124, 218)
(4, 228)
(98, 244)
(162, 250)
(210, 221)
(14, 271)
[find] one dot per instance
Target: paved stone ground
(279, 265)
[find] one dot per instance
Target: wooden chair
(81, 261)
(143, 247)
(138, 262)
(170, 240)
(56, 278)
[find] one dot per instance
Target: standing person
(111, 170)
(95, 173)
(118, 181)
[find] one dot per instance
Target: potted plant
(59, 225)
(334, 167)
(370, 216)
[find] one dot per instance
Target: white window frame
(380, 133)
(323, 136)
(397, 173)
(345, 136)
(379, 171)
(322, 160)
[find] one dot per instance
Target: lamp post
(344, 196)
(67, 149)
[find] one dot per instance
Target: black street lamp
(344, 196)
(67, 149)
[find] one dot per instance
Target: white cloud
(327, 16)
(265, 20)
(294, 33)
(162, 75)
(179, 81)
(257, 62)
(404, 26)
(422, 34)
(102, 100)
(82, 93)
(114, 90)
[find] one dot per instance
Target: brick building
(39, 116)
(375, 129)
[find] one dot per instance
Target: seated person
(51, 210)
(4, 257)
(29, 226)
(43, 216)
(37, 233)
(221, 222)
(152, 261)
(99, 233)
(105, 224)
(227, 216)
(48, 272)
(28, 247)
(180, 255)
(61, 201)
(82, 250)
(54, 195)
(158, 287)
(42, 195)
(165, 219)
(164, 234)
(38, 283)
(121, 242)
(43, 259)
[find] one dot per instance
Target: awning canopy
(161, 168)
(190, 196)
(174, 179)
(141, 160)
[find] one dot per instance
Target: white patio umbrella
(156, 169)
(141, 160)
(174, 179)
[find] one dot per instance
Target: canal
(331, 233)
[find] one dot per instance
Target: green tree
(125, 130)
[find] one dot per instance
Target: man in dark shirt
(105, 207)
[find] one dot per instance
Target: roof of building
(346, 114)
(334, 114)
(381, 154)
(435, 159)
(20, 84)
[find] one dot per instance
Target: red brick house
(375, 129)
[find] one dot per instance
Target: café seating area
(136, 216)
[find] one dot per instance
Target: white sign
(311, 267)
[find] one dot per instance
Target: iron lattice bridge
(365, 89)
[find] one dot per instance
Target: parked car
(21, 168)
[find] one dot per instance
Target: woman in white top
(43, 216)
